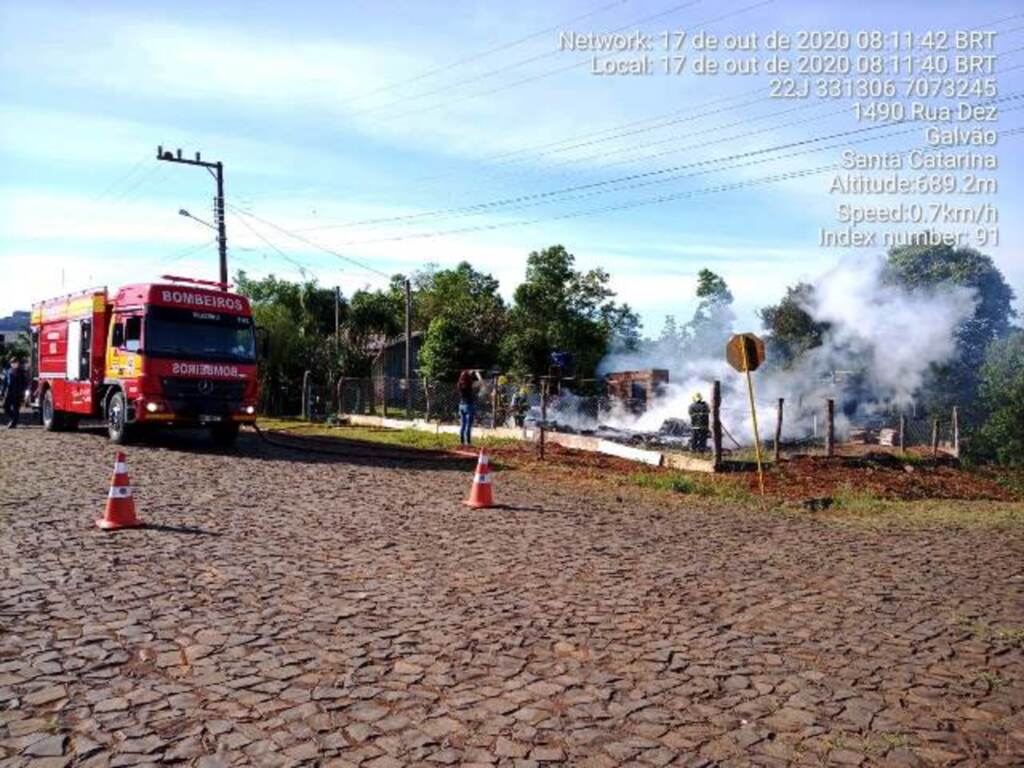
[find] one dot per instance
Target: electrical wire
(606, 209)
(185, 253)
(489, 52)
(502, 202)
(120, 179)
(550, 73)
(517, 64)
(302, 267)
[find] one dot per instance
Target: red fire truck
(180, 352)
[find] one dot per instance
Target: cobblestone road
(288, 609)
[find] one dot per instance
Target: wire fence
(649, 419)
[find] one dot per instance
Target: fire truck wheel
(117, 419)
(52, 421)
(224, 434)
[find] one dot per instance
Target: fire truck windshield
(199, 335)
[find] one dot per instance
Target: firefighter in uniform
(699, 420)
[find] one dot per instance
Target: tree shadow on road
(272, 446)
(184, 529)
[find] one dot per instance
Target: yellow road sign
(745, 352)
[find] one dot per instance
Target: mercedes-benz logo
(205, 387)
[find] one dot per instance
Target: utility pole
(337, 316)
(217, 171)
(408, 349)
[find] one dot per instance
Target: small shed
(390, 361)
(636, 387)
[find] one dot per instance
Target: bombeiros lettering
(206, 369)
(194, 299)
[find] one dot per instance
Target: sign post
(745, 353)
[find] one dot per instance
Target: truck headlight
(250, 409)
(152, 407)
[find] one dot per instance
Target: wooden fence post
(956, 431)
(903, 433)
(716, 422)
(778, 428)
(305, 395)
(384, 393)
(935, 436)
(830, 427)
(494, 402)
(543, 414)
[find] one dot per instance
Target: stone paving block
(393, 626)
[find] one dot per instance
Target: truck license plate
(209, 419)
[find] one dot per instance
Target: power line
(501, 157)
(677, 177)
(507, 157)
(561, 146)
(120, 179)
(514, 65)
(193, 249)
(443, 212)
(620, 206)
(586, 212)
(147, 177)
(307, 241)
(566, 68)
(575, 214)
(302, 267)
(488, 52)
(640, 175)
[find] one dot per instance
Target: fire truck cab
(175, 353)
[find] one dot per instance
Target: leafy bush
(1000, 437)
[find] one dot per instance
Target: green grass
(982, 630)
(749, 455)
(993, 680)
(852, 501)
(691, 485)
(860, 507)
(408, 438)
(1012, 480)
(895, 740)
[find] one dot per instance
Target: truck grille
(202, 397)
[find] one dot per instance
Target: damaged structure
(636, 388)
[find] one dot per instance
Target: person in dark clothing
(15, 383)
(699, 424)
(466, 387)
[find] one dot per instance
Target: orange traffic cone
(120, 504)
(480, 495)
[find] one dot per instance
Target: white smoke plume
(881, 343)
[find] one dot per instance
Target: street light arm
(186, 214)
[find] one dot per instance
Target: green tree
(942, 266)
(709, 330)
(791, 329)
(299, 320)
(559, 308)
(374, 315)
(16, 347)
(441, 353)
(473, 315)
(1000, 436)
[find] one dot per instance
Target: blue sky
(329, 114)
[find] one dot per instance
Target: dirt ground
(288, 608)
(880, 474)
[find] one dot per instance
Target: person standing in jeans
(15, 383)
(467, 404)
